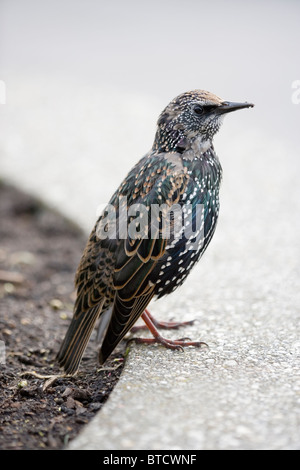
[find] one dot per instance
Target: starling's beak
(228, 107)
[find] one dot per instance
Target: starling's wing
(113, 271)
(133, 290)
(94, 294)
(137, 257)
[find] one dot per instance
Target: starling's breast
(200, 210)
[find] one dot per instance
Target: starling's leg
(168, 343)
(161, 324)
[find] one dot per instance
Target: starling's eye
(198, 109)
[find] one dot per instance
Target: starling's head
(195, 115)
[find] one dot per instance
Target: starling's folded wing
(113, 272)
(137, 257)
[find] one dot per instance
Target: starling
(155, 228)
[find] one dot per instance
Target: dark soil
(39, 253)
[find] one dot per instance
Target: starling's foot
(168, 343)
(166, 325)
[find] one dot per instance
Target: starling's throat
(200, 144)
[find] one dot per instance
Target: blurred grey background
(85, 83)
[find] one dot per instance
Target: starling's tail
(76, 339)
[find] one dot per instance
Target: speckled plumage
(117, 278)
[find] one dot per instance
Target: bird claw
(170, 344)
(157, 338)
(171, 325)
